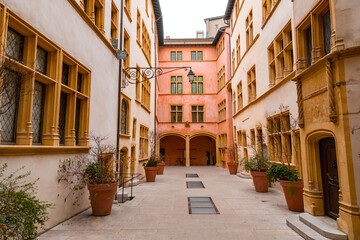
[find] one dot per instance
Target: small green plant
(282, 172)
(257, 163)
(152, 162)
(21, 213)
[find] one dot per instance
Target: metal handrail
(131, 177)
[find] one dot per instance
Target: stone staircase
(314, 228)
(127, 190)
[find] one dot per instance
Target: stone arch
(172, 133)
(203, 133)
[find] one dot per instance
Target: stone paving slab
(160, 211)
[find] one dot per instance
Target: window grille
(15, 45)
(41, 60)
(62, 117)
(38, 111)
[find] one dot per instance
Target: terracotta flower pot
(233, 167)
(294, 195)
(160, 167)
(150, 173)
(261, 181)
(102, 197)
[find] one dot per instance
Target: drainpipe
(119, 90)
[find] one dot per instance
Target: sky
(182, 18)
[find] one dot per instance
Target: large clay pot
(160, 168)
(261, 181)
(233, 167)
(150, 173)
(294, 195)
(102, 197)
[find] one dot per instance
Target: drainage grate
(192, 175)
(194, 184)
(202, 205)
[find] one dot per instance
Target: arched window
(124, 117)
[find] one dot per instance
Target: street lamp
(133, 73)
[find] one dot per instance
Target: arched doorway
(202, 151)
(172, 148)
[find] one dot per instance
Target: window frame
(177, 112)
(197, 111)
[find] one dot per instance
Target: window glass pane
(193, 116)
(201, 116)
(193, 88)
(77, 120)
(41, 60)
(173, 108)
(173, 117)
(124, 116)
(179, 118)
(179, 108)
(65, 74)
(179, 78)
(38, 111)
(179, 56)
(14, 45)
(200, 78)
(200, 108)
(173, 78)
(79, 82)
(173, 56)
(62, 117)
(327, 32)
(200, 55)
(193, 56)
(200, 86)
(194, 108)
(308, 44)
(179, 90)
(9, 105)
(173, 88)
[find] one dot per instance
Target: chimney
(167, 37)
(199, 34)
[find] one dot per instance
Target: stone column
(187, 150)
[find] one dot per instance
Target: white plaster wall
(352, 73)
(60, 22)
(301, 8)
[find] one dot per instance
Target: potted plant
(258, 165)
(291, 184)
(96, 171)
(150, 168)
(160, 165)
(234, 164)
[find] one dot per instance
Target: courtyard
(160, 211)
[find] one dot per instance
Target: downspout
(119, 90)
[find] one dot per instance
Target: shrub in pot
(233, 167)
(258, 165)
(96, 171)
(291, 184)
(151, 168)
(160, 165)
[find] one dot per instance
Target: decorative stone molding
(300, 103)
(331, 94)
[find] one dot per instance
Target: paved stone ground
(160, 211)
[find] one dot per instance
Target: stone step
(303, 230)
(244, 175)
(122, 199)
(319, 226)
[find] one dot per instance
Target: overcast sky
(182, 18)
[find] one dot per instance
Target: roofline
(159, 21)
(213, 18)
(229, 9)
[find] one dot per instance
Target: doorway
(329, 171)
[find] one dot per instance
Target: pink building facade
(195, 119)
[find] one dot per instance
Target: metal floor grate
(194, 184)
(202, 205)
(192, 175)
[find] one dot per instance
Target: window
(124, 117)
(249, 29)
(234, 102)
(244, 146)
(220, 47)
(33, 104)
(222, 110)
(145, 92)
(176, 113)
(176, 56)
(99, 14)
(114, 21)
(196, 55)
(238, 50)
(280, 56)
(138, 27)
(197, 113)
(144, 142)
(259, 139)
(251, 80)
(233, 60)
(147, 7)
(314, 35)
(176, 85)
(146, 42)
(252, 137)
(268, 6)
(127, 49)
(223, 140)
(280, 138)
(197, 86)
(137, 85)
(127, 8)
(239, 138)
(221, 78)
(134, 129)
(239, 96)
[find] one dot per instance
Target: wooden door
(329, 176)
